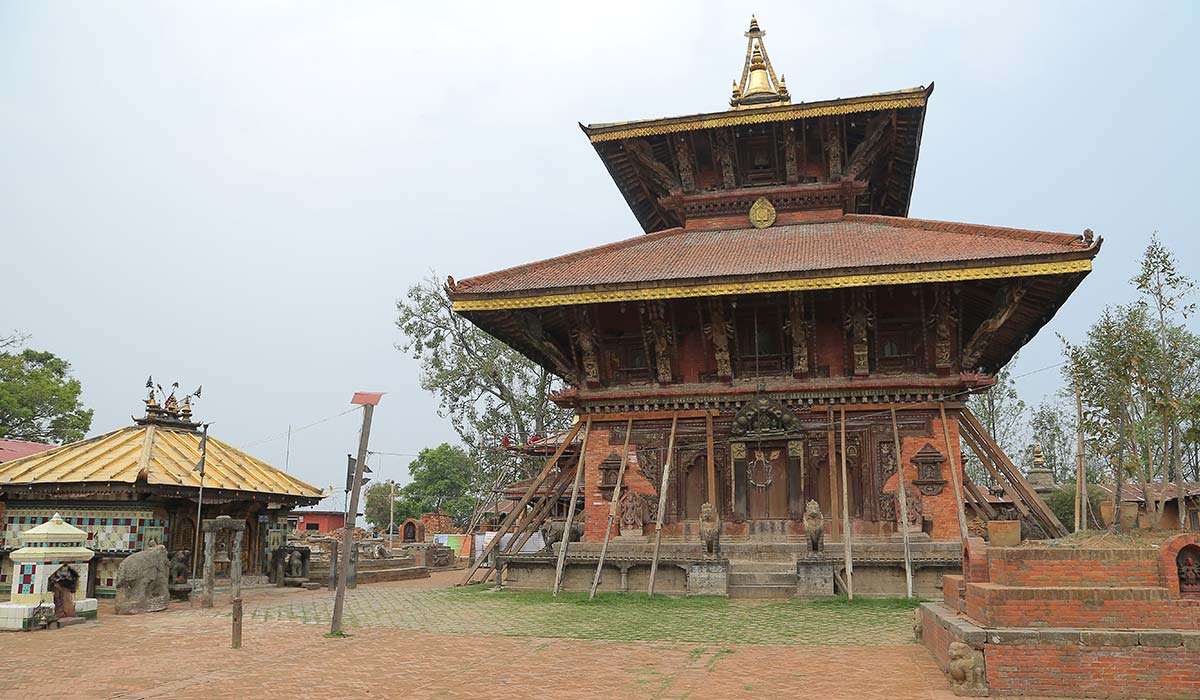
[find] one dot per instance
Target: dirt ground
(185, 653)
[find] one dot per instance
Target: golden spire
(758, 87)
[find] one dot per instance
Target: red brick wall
(327, 522)
(1075, 671)
(1073, 567)
(438, 523)
(596, 507)
(1112, 607)
(943, 507)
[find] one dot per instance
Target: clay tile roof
(15, 449)
(850, 243)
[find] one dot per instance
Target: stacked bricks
(1072, 622)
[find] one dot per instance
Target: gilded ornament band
(770, 286)
(740, 118)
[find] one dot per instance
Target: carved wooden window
(895, 350)
(757, 157)
(761, 342)
(625, 358)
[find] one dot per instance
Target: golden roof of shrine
(155, 454)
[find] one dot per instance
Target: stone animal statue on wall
(180, 569)
(142, 582)
(295, 564)
(710, 529)
(814, 527)
(965, 668)
(552, 531)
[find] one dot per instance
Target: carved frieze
(765, 417)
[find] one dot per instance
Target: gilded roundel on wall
(762, 213)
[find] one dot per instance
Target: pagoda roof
(156, 455)
(850, 250)
(875, 102)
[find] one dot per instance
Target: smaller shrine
(46, 572)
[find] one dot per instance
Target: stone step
(763, 578)
(762, 590)
(782, 567)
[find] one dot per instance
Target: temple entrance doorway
(695, 487)
(767, 482)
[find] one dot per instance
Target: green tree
(488, 390)
(441, 482)
(39, 400)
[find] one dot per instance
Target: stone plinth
(52, 546)
(708, 578)
(814, 576)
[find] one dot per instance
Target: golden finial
(758, 87)
(1038, 458)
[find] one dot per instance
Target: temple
(780, 323)
(139, 485)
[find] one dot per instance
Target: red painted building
(317, 520)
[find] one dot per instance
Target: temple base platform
(740, 569)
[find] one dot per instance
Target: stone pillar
(206, 595)
(235, 566)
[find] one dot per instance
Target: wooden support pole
(520, 507)
(901, 487)
(846, 536)
(612, 510)
(1041, 512)
(979, 500)
(710, 460)
(986, 460)
(662, 503)
(237, 623)
(566, 535)
(540, 512)
(1080, 477)
(955, 477)
(833, 499)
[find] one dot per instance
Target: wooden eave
(895, 183)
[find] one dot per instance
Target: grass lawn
(615, 616)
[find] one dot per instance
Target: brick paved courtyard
(428, 642)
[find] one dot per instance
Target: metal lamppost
(200, 498)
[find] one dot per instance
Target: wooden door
(695, 487)
(767, 482)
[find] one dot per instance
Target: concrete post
(206, 596)
(235, 567)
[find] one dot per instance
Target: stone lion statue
(710, 529)
(965, 668)
(814, 527)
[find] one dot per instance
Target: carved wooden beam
(684, 163)
(725, 156)
(798, 326)
(530, 325)
(866, 151)
(657, 175)
(831, 141)
(1004, 310)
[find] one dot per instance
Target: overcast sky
(235, 194)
